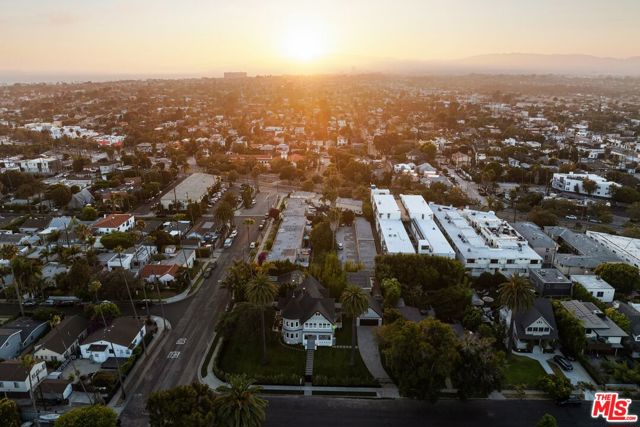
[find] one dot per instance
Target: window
(511, 261)
(546, 329)
(494, 261)
(600, 294)
(471, 261)
(16, 385)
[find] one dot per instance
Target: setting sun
(304, 43)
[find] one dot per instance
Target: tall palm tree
(517, 295)
(83, 232)
(27, 362)
(354, 303)
(334, 220)
(9, 252)
(119, 251)
(239, 404)
(261, 292)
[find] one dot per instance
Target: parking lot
(346, 236)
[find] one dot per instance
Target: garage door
(369, 322)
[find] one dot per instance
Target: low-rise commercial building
(544, 245)
(626, 248)
(581, 254)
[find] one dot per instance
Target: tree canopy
(187, 405)
(623, 277)
(90, 416)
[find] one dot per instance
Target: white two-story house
(114, 222)
(15, 381)
(308, 315)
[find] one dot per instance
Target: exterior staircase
(308, 370)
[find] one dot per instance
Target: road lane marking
(181, 341)
(173, 355)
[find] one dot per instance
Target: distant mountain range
(519, 63)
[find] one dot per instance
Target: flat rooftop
(625, 247)
(193, 187)
(429, 231)
(395, 237)
(416, 206)
(289, 237)
(591, 281)
(549, 275)
(479, 234)
(582, 244)
(386, 203)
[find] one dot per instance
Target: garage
(369, 322)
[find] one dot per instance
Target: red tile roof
(112, 221)
(159, 270)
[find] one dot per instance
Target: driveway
(346, 236)
(368, 347)
(579, 374)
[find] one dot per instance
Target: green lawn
(522, 370)
(332, 365)
(343, 335)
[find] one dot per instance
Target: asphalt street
(326, 411)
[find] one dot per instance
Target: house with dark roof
(536, 326)
(308, 315)
(116, 340)
(19, 334)
(16, 381)
(633, 314)
(602, 333)
(63, 341)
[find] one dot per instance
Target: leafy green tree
(107, 309)
(88, 213)
(392, 291)
(321, 238)
(247, 196)
(89, 416)
(570, 330)
(354, 303)
(118, 239)
(239, 404)
(480, 369)
(224, 212)
(517, 295)
(623, 277)
(347, 217)
(60, 194)
(450, 303)
(625, 194)
(10, 413)
(589, 186)
(261, 292)
(619, 319)
(187, 405)
(238, 276)
(333, 275)
(420, 355)
(542, 217)
(558, 387)
(547, 420)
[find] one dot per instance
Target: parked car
(569, 401)
(233, 234)
(573, 217)
(261, 226)
(563, 363)
(253, 245)
(340, 246)
(227, 243)
(213, 265)
(207, 272)
(29, 303)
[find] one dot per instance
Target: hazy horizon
(197, 38)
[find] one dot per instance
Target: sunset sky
(275, 36)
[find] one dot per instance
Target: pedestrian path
(308, 368)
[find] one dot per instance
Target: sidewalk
(141, 366)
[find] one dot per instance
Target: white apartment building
(485, 243)
(393, 236)
(428, 237)
(626, 248)
(573, 183)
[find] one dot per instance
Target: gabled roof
(309, 298)
(12, 370)
(122, 331)
(112, 221)
(65, 334)
(541, 308)
(159, 270)
(25, 325)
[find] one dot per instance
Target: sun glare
(304, 44)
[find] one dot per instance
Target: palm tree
(354, 303)
(239, 404)
(9, 252)
(27, 362)
(334, 220)
(517, 295)
(83, 232)
(261, 292)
